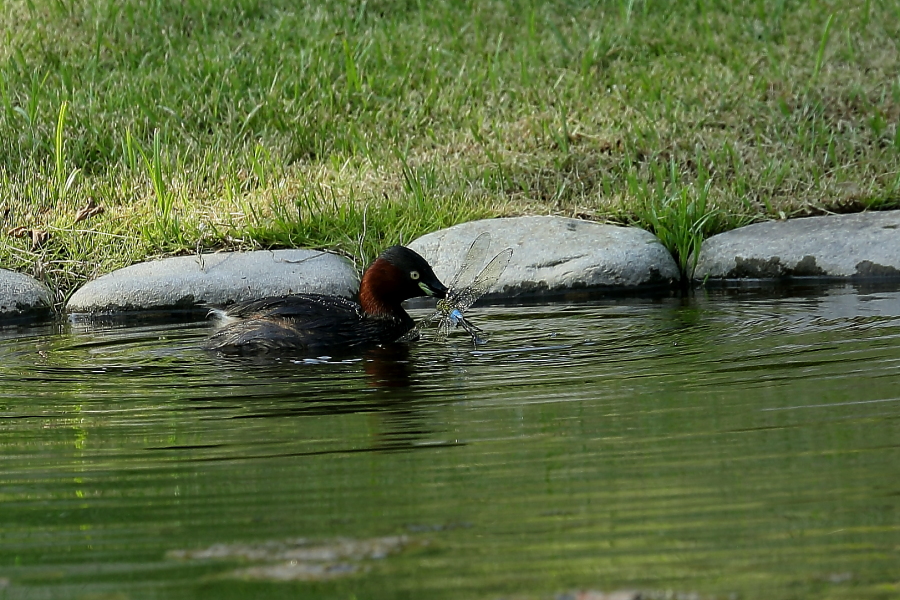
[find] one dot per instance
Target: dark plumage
(318, 324)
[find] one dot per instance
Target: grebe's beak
(433, 288)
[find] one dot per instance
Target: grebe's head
(418, 279)
(397, 275)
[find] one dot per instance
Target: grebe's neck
(379, 293)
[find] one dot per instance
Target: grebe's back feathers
(295, 305)
(310, 322)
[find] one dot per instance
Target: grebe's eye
(414, 275)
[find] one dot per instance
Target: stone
(219, 279)
(858, 246)
(553, 255)
(23, 296)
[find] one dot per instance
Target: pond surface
(729, 445)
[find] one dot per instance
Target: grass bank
(130, 129)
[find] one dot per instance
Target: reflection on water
(732, 443)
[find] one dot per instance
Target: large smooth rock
(861, 246)
(555, 254)
(221, 278)
(22, 296)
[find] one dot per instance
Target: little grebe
(318, 323)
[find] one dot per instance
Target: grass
(353, 125)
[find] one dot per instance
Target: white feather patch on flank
(220, 315)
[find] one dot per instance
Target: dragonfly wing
(434, 316)
(492, 272)
(474, 258)
(465, 298)
(488, 276)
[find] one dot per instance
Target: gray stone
(555, 254)
(22, 296)
(221, 278)
(860, 246)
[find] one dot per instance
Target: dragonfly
(467, 287)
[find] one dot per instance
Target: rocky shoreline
(551, 256)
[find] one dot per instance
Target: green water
(729, 446)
